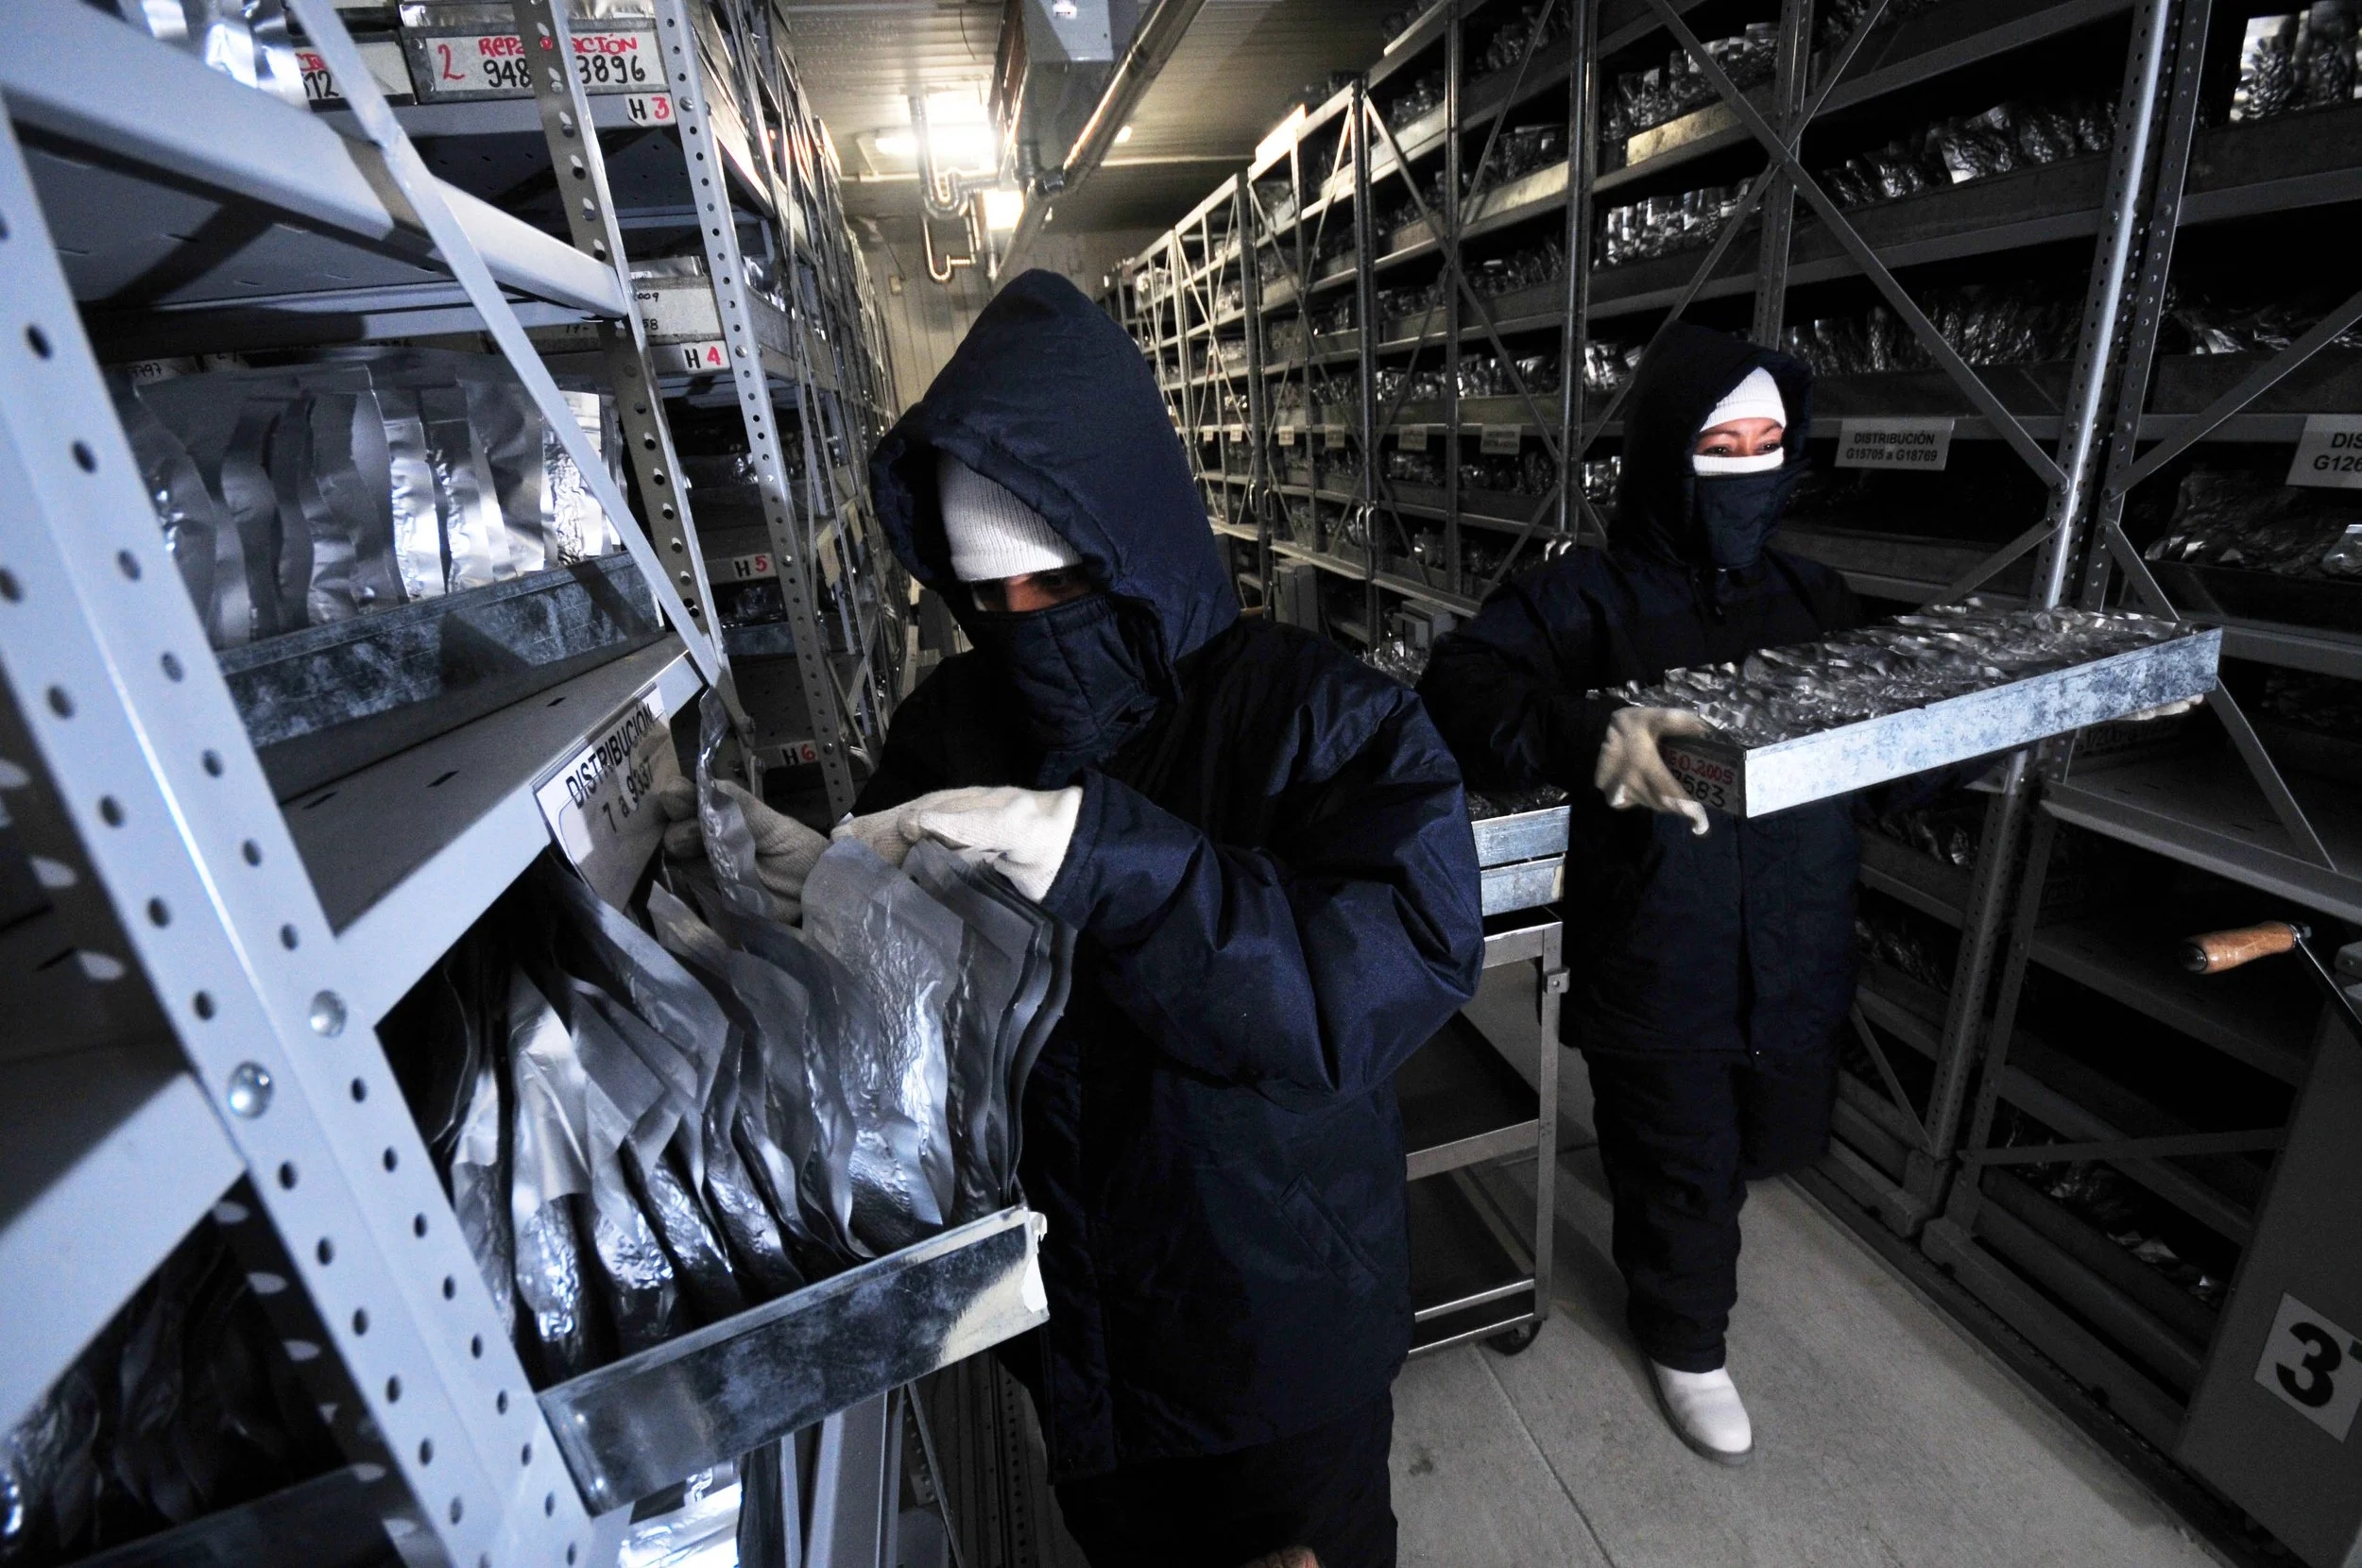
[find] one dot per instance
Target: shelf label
(383, 56)
(794, 752)
(649, 108)
(600, 804)
(742, 569)
(1499, 439)
(1287, 435)
(701, 358)
(2313, 1367)
(1925, 445)
(493, 65)
(1411, 437)
(2329, 453)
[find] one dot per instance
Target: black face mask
(1737, 512)
(1082, 686)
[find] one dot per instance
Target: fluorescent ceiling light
(1002, 208)
(897, 144)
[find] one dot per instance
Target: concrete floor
(1884, 1436)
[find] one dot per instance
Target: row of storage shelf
(2236, 172)
(2185, 386)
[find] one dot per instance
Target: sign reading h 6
(494, 65)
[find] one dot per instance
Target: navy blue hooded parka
(1275, 887)
(1740, 942)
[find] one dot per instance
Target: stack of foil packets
(302, 495)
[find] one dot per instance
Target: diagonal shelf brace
(1849, 240)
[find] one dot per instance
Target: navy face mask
(1737, 512)
(1082, 685)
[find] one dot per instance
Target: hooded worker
(1712, 962)
(1264, 847)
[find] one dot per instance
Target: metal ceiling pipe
(1135, 73)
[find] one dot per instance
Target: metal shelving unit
(206, 965)
(1946, 1084)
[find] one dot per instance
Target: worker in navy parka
(1265, 849)
(1711, 959)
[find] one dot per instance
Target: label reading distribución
(1924, 445)
(600, 804)
(2329, 453)
(1411, 437)
(1500, 440)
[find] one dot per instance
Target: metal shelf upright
(206, 967)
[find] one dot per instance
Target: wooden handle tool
(2214, 951)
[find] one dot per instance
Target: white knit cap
(993, 534)
(1755, 398)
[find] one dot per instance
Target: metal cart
(1475, 1272)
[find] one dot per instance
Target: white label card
(1925, 445)
(742, 569)
(2313, 1367)
(1287, 435)
(600, 804)
(1711, 779)
(2329, 453)
(1411, 437)
(701, 358)
(1499, 439)
(479, 65)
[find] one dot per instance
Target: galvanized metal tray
(630, 1429)
(1523, 858)
(1757, 780)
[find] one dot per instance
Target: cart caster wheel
(1513, 1342)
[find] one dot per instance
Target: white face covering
(1762, 461)
(1756, 397)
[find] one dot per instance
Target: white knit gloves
(785, 849)
(1023, 834)
(1630, 772)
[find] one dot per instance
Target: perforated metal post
(108, 662)
(794, 540)
(581, 170)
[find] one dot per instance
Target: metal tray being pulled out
(1756, 780)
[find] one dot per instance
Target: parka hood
(1684, 373)
(1049, 398)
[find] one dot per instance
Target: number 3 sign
(2313, 1365)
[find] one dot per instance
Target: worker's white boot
(1706, 1412)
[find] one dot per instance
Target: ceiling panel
(1242, 65)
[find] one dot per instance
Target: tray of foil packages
(1946, 685)
(1521, 846)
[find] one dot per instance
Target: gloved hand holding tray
(1925, 691)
